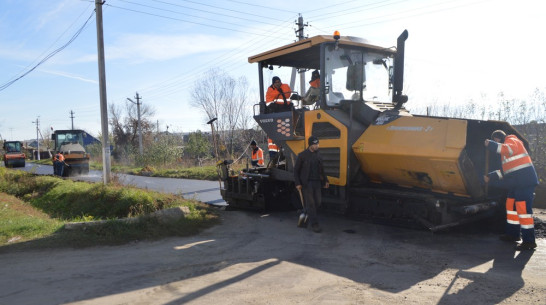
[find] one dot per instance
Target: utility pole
(37, 122)
(301, 26)
(299, 34)
(137, 97)
(72, 118)
(102, 89)
(211, 123)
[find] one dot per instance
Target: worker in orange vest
(278, 96)
(58, 164)
(519, 178)
(313, 93)
(278, 92)
(273, 149)
(257, 154)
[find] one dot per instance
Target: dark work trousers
(58, 168)
(313, 198)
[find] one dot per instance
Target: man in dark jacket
(310, 178)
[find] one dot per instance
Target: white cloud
(146, 47)
(72, 76)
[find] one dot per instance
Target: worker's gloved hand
(494, 176)
(295, 97)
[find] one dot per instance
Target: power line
(200, 17)
(267, 7)
(178, 83)
(354, 10)
(56, 40)
(358, 24)
(6, 85)
(333, 5)
(231, 10)
(182, 20)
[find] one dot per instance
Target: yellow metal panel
(416, 152)
(320, 116)
(296, 146)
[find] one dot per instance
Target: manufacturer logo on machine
(410, 128)
(266, 120)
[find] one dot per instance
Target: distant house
(89, 140)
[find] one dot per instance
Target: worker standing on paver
(257, 154)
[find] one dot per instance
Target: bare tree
(221, 96)
(125, 128)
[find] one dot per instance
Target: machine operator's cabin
(350, 68)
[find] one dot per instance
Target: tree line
(221, 96)
(527, 115)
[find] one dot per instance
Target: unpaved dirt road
(265, 259)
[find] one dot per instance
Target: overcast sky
(457, 50)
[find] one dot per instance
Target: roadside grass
(207, 172)
(35, 209)
(20, 222)
(199, 173)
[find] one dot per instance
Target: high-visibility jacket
(315, 83)
(58, 157)
(517, 165)
(514, 156)
(257, 157)
(520, 179)
(272, 146)
(275, 94)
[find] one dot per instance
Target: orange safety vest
(315, 83)
(258, 156)
(58, 157)
(274, 94)
(514, 156)
(272, 146)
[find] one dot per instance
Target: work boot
(509, 238)
(316, 228)
(526, 246)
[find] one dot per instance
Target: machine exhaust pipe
(398, 74)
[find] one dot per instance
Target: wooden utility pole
(103, 101)
(137, 97)
(300, 35)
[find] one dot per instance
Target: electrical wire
(200, 17)
(329, 6)
(359, 24)
(178, 83)
(231, 10)
(267, 7)
(6, 85)
(182, 20)
(53, 43)
(353, 10)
